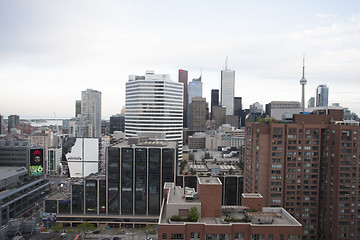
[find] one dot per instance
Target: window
(195, 235)
(177, 236)
(257, 237)
(164, 236)
(239, 236)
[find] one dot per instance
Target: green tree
(149, 229)
(193, 215)
(192, 171)
(57, 228)
(85, 227)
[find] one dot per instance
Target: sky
(50, 51)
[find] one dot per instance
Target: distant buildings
(214, 100)
(91, 111)
(77, 108)
(198, 114)
(228, 90)
(183, 78)
(154, 108)
(117, 123)
(13, 121)
(311, 102)
(322, 96)
(194, 90)
(87, 120)
(283, 110)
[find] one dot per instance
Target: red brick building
(222, 222)
(311, 168)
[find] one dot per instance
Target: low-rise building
(215, 221)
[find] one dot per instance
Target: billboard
(36, 163)
(83, 157)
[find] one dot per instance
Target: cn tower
(303, 81)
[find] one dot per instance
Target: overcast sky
(50, 51)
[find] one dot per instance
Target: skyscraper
(194, 90)
(303, 81)
(237, 106)
(77, 108)
(183, 78)
(214, 99)
(154, 108)
(322, 95)
(228, 89)
(198, 114)
(91, 111)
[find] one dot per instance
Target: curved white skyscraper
(154, 107)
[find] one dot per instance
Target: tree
(57, 228)
(148, 230)
(193, 215)
(85, 227)
(192, 171)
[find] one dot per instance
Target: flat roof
(6, 172)
(209, 180)
(177, 195)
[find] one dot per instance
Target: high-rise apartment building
(154, 108)
(183, 78)
(228, 90)
(13, 121)
(322, 95)
(198, 114)
(310, 167)
(91, 111)
(214, 99)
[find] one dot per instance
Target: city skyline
(51, 51)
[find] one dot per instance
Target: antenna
(303, 76)
(226, 63)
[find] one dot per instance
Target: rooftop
(209, 180)
(185, 198)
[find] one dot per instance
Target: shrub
(175, 218)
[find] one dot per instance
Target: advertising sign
(36, 162)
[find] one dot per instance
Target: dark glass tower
(136, 174)
(214, 99)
